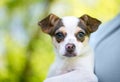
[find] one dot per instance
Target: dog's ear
(48, 24)
(91, 23)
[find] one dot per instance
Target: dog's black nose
(70, 47)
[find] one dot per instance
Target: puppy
(74, 60)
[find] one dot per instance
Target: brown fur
(91, 24)
(48, 24)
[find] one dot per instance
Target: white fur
(70, 25)
(72, 69)
(70, 21)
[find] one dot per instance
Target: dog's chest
(65, 67)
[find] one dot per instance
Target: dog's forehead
(70, 21)
(70, 25)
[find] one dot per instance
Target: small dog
(74, 58)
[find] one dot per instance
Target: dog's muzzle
(70, 48)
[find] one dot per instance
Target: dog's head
(70, 34)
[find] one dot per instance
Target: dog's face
(70, 35)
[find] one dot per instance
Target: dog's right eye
(80, 36)
(59, 36)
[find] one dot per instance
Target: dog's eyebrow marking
(61, 29)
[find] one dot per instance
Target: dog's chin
(68, 54)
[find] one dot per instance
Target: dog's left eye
(59, 36)
(80, 36)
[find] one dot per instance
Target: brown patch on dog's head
(88, 23)
(50, 24)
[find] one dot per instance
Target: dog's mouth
(70, 54)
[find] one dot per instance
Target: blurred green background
(25, 52)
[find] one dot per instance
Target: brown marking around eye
(86, 37)
(85, 42)
(81, 39)
(80, 30)
(60, 30)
